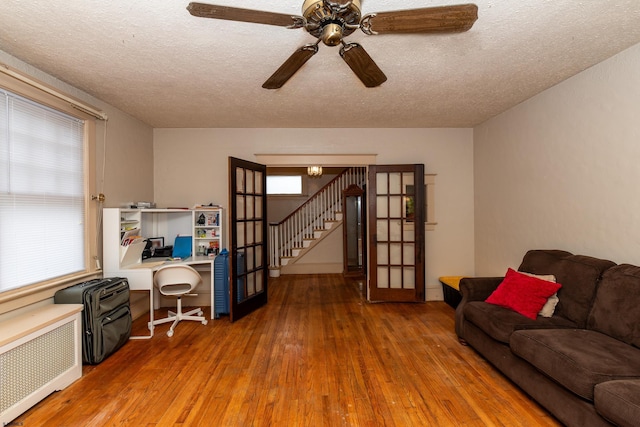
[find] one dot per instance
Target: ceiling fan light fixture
(314, 171)
(332, 34)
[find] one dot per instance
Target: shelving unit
(207, 235)
(204, 225)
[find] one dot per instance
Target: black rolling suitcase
(106, 317)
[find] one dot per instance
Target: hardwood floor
(316, 355)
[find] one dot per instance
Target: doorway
(395, 235)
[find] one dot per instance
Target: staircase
(311, 222)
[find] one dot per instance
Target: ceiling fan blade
(204, 10)
(362, 65)
(443, 19)
(290, 66)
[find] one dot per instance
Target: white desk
(140, 277)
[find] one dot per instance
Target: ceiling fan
(330, 21)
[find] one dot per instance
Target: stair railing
(289, 234)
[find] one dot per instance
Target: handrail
(310, 199)
(301, 224)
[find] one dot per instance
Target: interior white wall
(191, 166)
(561, 170)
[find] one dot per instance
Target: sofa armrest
(473, 289)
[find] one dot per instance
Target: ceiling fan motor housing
(330, 21)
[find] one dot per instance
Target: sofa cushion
(616, 309)
(578, 359)
(578, 274)
(523, 293)
(619, 401)
(499, 323)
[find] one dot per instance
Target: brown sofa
(583, 363)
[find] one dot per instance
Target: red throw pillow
(523, 294)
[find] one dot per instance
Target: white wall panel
(561, 170)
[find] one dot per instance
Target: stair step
(328, 224)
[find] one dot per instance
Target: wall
(191, 166)
(561, 170)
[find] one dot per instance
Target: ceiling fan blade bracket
(347, 47)
(365, 24)
(352, 27)
(298, 22)
(312, 47)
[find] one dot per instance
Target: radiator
(40, 353)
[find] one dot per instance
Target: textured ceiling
(155, 61)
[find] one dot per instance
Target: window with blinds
(42, 193)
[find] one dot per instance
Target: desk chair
(177, 280)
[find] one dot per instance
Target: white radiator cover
(41, 353)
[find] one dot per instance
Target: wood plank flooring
(316, 355)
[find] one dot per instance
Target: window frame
(303, 186)
(20, 297)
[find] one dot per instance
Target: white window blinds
(42, 200)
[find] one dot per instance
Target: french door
(248, 237)
(396, 207)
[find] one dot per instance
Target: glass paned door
(248, 231)
(396, 232)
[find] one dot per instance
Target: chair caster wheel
(169, 333)
(204, 322)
